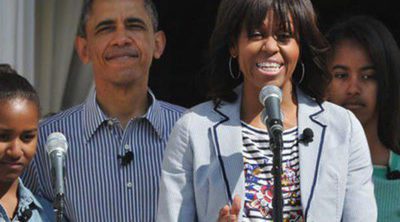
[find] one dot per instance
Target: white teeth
(268, 65)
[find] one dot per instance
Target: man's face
(120, 42)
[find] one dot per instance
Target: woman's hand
(230, 214)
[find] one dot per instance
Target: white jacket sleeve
(359, 203)
(176, 200)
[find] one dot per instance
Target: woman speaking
(218, 161)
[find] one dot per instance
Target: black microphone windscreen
(126, 158)
(307, 136)
(308, 133)
(25, 215)
(129, 156)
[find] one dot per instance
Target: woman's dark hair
(384, 52)
(14, 86)
(233, 15)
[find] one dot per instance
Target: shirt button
(129, 184)
(110, 122)
(127, 146)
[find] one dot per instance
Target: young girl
(364, 64)
(19, 116)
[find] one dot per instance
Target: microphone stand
(59, 206)
(276, 144)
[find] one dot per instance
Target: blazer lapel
(227, 139)
(309, 116)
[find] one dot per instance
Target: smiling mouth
(12, 165)
(269, 67)
(121, 56)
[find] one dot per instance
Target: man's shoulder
(71, 115)
(171, 108)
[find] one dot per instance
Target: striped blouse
(259, 179)
(98, 186)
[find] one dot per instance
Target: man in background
(117, 136)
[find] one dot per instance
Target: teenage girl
(19, 117)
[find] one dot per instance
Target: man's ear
(160, 41)
(82, 49)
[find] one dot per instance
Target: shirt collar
(154, 116)
(26, 198)
(26, 202)
(94, 117)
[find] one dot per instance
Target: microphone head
(268, 91)
(56, 142)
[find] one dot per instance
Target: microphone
(126, 158)
(25, 215)
(57, 147)
(307, 136)
(270, 97)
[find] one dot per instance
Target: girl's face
(354, 85)
(268, 56)
(19, 119)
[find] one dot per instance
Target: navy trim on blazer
(318, 159)
(228, 190)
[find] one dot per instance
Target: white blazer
(203, 164)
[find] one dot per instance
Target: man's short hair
(88, 5)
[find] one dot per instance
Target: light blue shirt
(30, 208)
(98, 187)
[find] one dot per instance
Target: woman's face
(18, 135)
(354, 84)
(268, 56)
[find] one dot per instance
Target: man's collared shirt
(99, 187)
(29, 208)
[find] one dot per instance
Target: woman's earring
(303, 71)
(237, 76)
